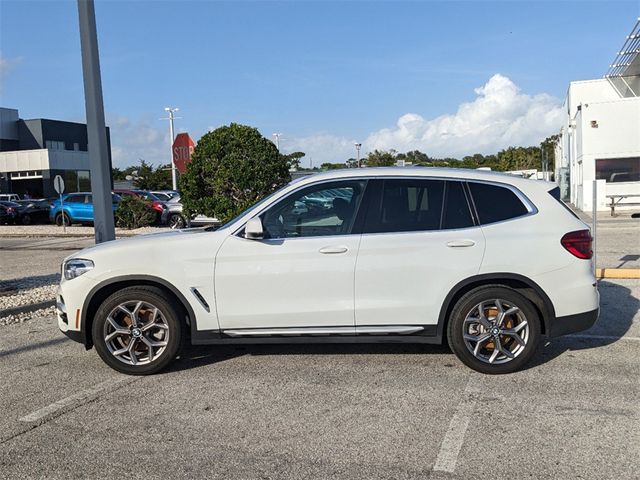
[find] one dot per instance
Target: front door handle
(334, 249)
(461, 243)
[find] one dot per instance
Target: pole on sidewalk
(174, 173)
(594, 215)
(96, 130)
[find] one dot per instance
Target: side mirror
(253, 229)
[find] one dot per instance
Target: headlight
(75, 267)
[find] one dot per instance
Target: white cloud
(500, 116)
(6, 65)
(133, 140)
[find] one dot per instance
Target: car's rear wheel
(176, 221)
(138, 330)
(26, 219)
(494, 329)
(59, 216)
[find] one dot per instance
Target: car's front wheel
(494, 329)
(138, 330)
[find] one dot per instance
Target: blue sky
(447, 77)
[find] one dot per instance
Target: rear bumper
(573, 323)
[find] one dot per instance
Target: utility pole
(358, 145)
(277, 137)
(174, 173)
(104, 227)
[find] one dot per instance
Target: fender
(548, 312)
(146, 279)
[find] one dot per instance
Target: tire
(26, 219)
(157, 339)
(494, 343)
(67, 220)
(176, 221)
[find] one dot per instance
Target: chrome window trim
(531, 208)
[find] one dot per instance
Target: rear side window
(494, 203)
(75, 199)
(407, 205)
(456, 212)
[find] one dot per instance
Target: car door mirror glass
(253, 229)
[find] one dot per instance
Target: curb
(618, 273)
(27, 308)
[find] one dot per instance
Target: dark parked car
(8, 214)
(33, 211)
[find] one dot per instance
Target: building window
(615, 170)
(54, 145)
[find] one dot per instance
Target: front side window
(319, 210)
(495, 204)
(406, 205)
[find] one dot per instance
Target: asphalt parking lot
(341, 411)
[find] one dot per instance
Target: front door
(302, 273)
(418, 241)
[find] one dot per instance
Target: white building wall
(43, 159)
(615, 134)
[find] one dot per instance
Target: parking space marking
(605, 337)
(454, 438)
(76, 399)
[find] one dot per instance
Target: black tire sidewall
(466, 303)
(155, 297)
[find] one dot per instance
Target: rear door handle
(461, 243)
(333, 249)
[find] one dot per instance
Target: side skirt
(423, 334)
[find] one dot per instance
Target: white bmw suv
(488, 262)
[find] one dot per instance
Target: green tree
(381, 158)
(232, 167)
(293, 159)
(333, 166)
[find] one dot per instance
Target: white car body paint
(379, 279)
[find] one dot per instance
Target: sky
(449, 78)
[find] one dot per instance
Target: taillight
(578, 244)
(159, 206)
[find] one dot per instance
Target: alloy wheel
(495, 331)
(136, 332)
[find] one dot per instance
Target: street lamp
(277, 137)
(174, 174)
(358, 145)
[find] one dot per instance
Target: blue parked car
(78, 208)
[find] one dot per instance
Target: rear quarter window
(495, 203)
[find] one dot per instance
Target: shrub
(134, 212)
(231, 168)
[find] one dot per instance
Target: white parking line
(76, 399)
(606, 337)
(454, 438)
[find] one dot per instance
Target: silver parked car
(173, 216)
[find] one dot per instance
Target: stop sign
(182, 149)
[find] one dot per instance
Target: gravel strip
(23, 317)
(23, 292)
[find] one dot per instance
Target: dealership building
(33, 152)
(600, 140)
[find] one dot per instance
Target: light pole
(277, 137)
(96, 130)
(174, 174)
(358, 145)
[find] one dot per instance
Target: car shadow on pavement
(618, 306)
(202, 355)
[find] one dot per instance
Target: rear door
(419, 240)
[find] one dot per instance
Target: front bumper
(573, 323)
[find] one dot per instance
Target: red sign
(182, 149)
